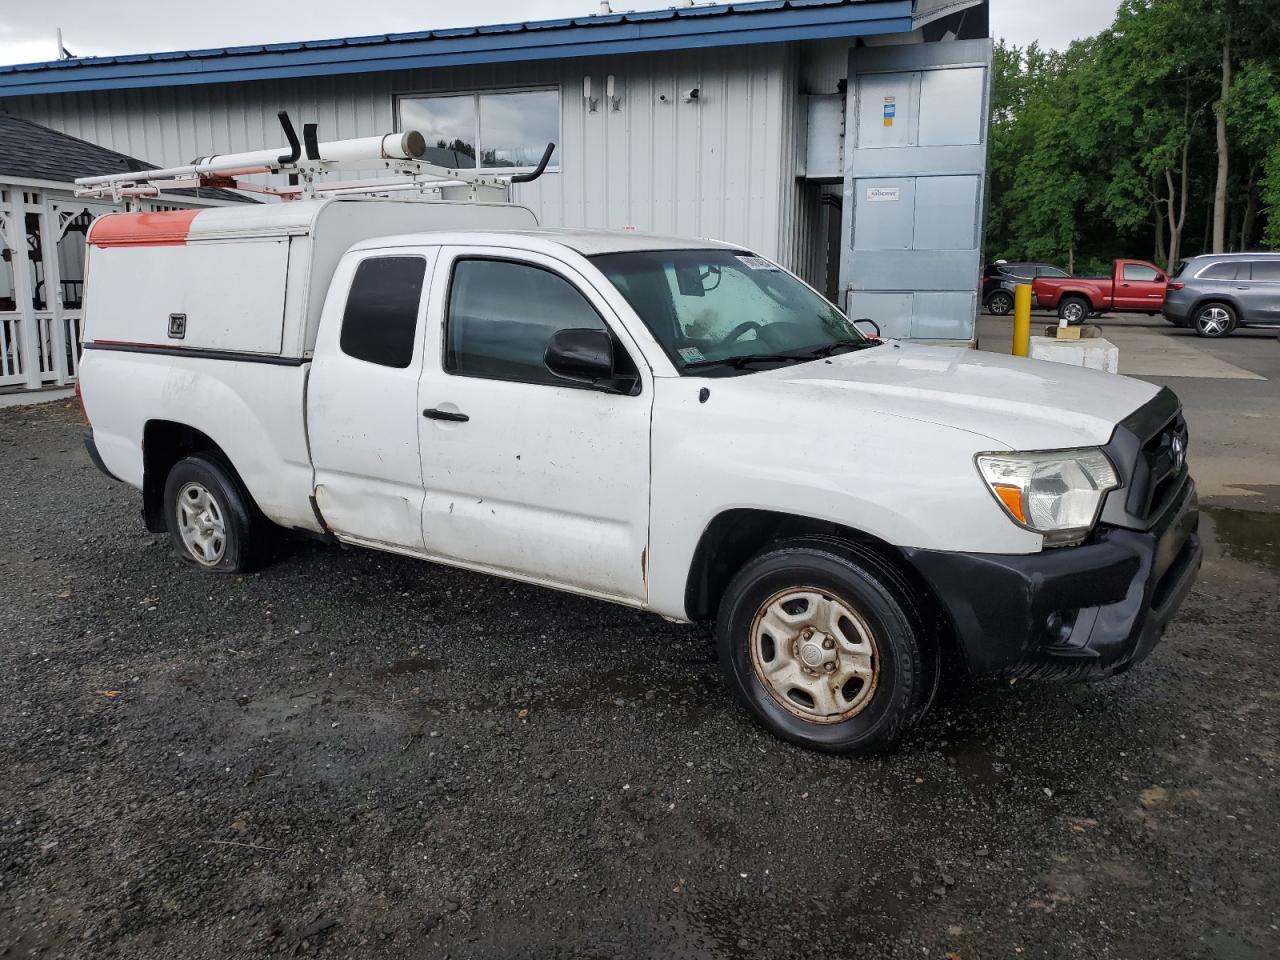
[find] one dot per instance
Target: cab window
(501, 317)
(1140, 271)
(381, 318)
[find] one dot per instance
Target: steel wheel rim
(814, 654)
(1214, 321)
(1073, 312)
(200, 524)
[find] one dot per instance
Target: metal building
(844, 138)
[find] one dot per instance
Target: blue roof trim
(770, 21)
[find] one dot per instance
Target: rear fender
(253, 412)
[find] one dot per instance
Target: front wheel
(1000, 303)
(1215, 320)
(1074, 310)
(213, 522)
(824, 644)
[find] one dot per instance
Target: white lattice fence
(11, 349)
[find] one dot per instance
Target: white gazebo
(42, 245)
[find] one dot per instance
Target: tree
(1106, 149)
(1239, 29)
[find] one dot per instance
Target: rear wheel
(826, 647)
(1074, 310)
(1000, 303)
(1215, 320)
(213, 522)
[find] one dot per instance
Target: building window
(502, 131)
(381, 318)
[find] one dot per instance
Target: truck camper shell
(247, 279)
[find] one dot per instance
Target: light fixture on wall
(610, 92)
(586, 94)
(691, 95)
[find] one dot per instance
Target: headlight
(1057, 493)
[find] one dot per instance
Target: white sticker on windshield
(691, 355)
(757, 263)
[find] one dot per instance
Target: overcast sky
(95, 27)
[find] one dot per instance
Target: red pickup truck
(1134, 286)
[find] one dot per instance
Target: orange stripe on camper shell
(164, 228)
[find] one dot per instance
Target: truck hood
(1017, 403)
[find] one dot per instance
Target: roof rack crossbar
(305, 163)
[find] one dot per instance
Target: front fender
(907, 482)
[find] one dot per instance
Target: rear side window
(1230, 270)
(381, 318)
(502, 315)
(1266, 270)
(1050, 272)
(1138, 271)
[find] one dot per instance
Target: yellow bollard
(1021, 319)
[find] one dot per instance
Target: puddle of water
(1247, 535)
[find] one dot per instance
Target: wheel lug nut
(831, 668)
(828, 644)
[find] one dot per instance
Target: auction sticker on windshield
(756, 263)
(691, 355)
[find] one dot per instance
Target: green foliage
(1094, 148)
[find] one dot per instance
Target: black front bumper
(1074, 612)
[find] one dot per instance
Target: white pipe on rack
(409, 145)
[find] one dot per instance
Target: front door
(527, 474)
(362, 400)
(1140, 286)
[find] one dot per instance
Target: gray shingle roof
(33, 152)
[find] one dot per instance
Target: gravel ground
(353, 754)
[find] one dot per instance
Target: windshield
(722, 312)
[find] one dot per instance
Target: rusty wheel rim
(815, 654)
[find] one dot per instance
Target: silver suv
(1218, 292)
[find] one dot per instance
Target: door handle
(450, 415)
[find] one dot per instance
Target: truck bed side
(251, 410)
(1049, 291)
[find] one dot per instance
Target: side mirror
(876, 336)
(581, 355)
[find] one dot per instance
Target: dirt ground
(356, 755)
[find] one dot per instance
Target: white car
(676, 425)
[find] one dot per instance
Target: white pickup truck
(676, 425)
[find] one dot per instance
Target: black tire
(1000, 303)
(1074, 310)
(907, 665)
(246, 533)
(1215, 319)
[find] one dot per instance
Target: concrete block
(1096, 354)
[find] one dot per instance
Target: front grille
(1161, 470)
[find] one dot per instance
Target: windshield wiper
(842, 346)
(739, 362)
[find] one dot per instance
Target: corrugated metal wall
(721, 167)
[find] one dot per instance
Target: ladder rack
(399, 153)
